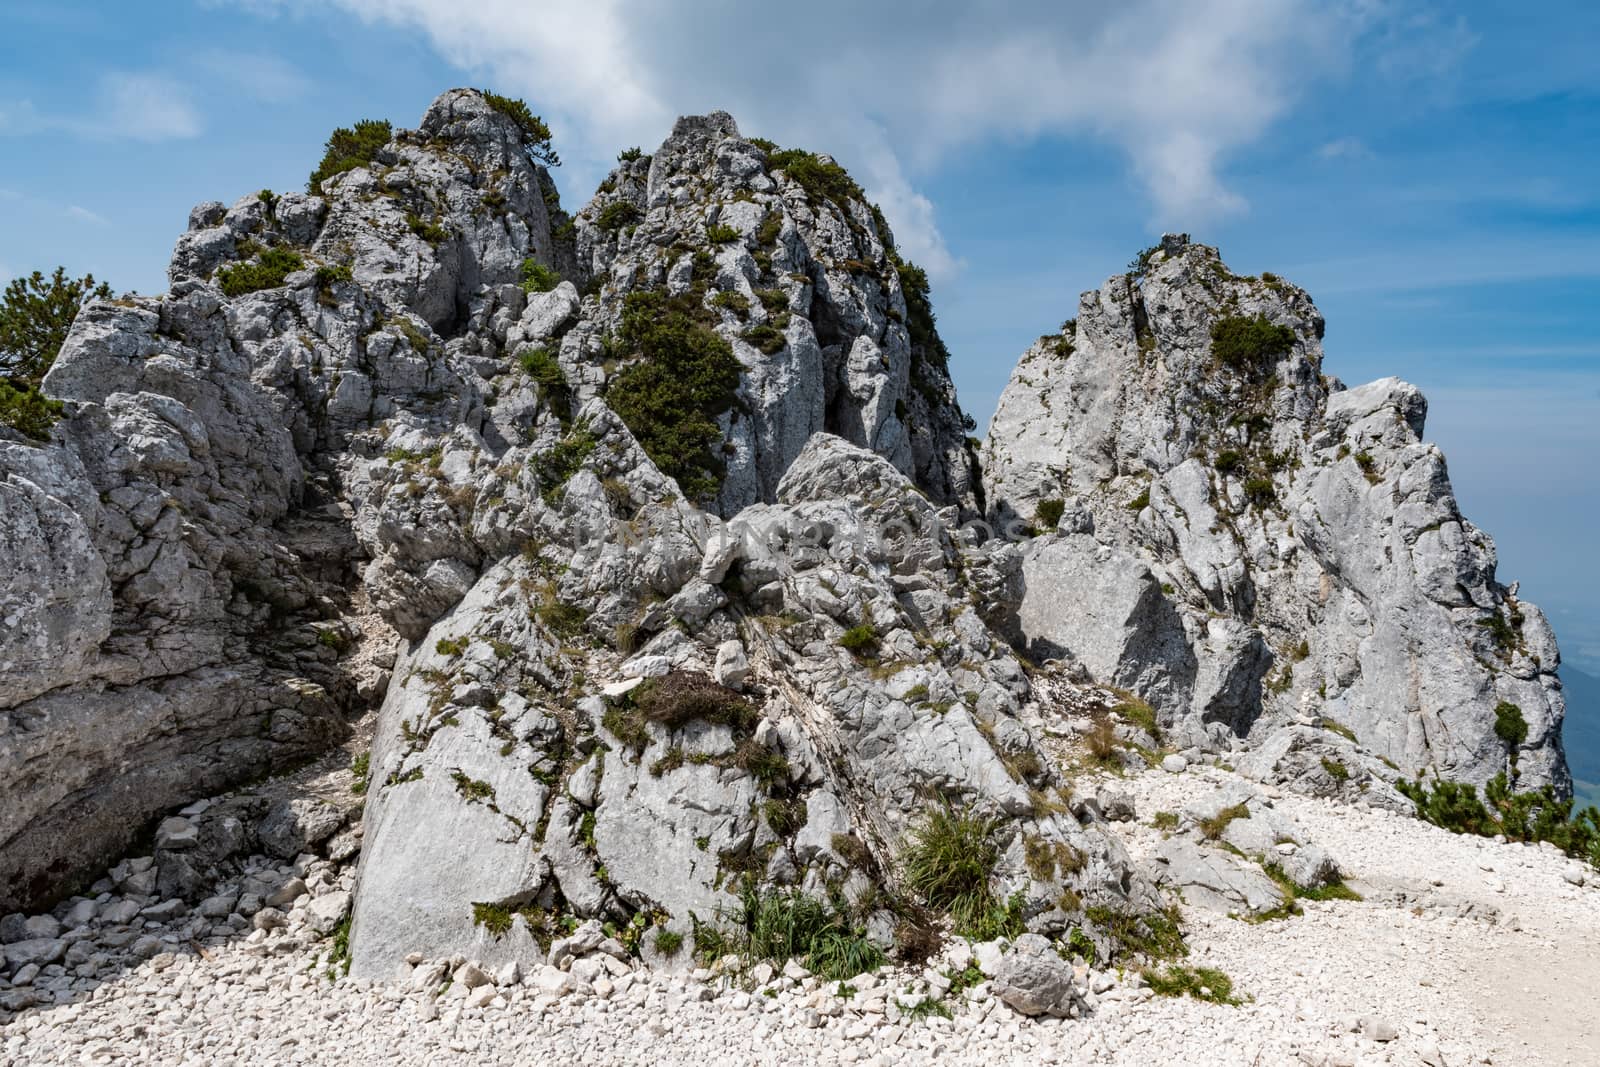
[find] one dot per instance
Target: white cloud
(1345, 148)
(146, 107)
(129, 106)
(83, 214)
(891, 91)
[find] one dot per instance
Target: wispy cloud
(128, 106)
(1345, 148)
(83, 214)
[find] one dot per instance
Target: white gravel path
(1523, 989)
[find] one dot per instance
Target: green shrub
(1140, 502)
(860, 640)
(732, 300)
(949, 860)
(1048, 513)
(720, 234)
(921, 324)
(766, 338)
(267, 272)
(451, 646)
(28, 411)
(1510, 726)
(1336, 769)
(1228, 461)
(329, 275)
(535, 134)
(361, 767)
(1212, 829)
(1260, 491)
(1201, 983)
(780, 926)
(430, 230)
(538, 278)
(617, 214)
(349, 148)
(681, 697)
(685, 378)
(541, 366)
(1152, 936)
(629, 155)
(821, 180)
(557, 466)
(1141, 262)
(36, 314)
(1249, 343)
(668, 942)
(1538, 815)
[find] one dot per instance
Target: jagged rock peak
(1249, 544)
(782, 257)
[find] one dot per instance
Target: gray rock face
(187, 539)
(1247, 543)
(506, 795)
(806, 287)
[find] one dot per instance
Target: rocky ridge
(648, 532)
(1253, 547)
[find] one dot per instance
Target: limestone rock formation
(647, 533)
(1248, 544)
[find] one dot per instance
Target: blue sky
(1425, 170)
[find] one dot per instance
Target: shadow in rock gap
(271, 865)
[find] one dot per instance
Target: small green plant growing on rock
(28, 411)
(451, 646)
(668, 942)
(1246, 344)
(1510, 727)
(267, 272)
(1212, 828)
(361, 767)
(1260, 491)
(1201, 983)
(556, 467)
(1155, 935)
(685, 378)
(535, 134)
(721, 234)
(36, 314)
(473, 790)
(680, 697)
(537, 277)
(349, 148)
(1048, 513)
(860, 640)
(949, 861)
(617, 214)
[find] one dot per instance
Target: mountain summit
(649, 544)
